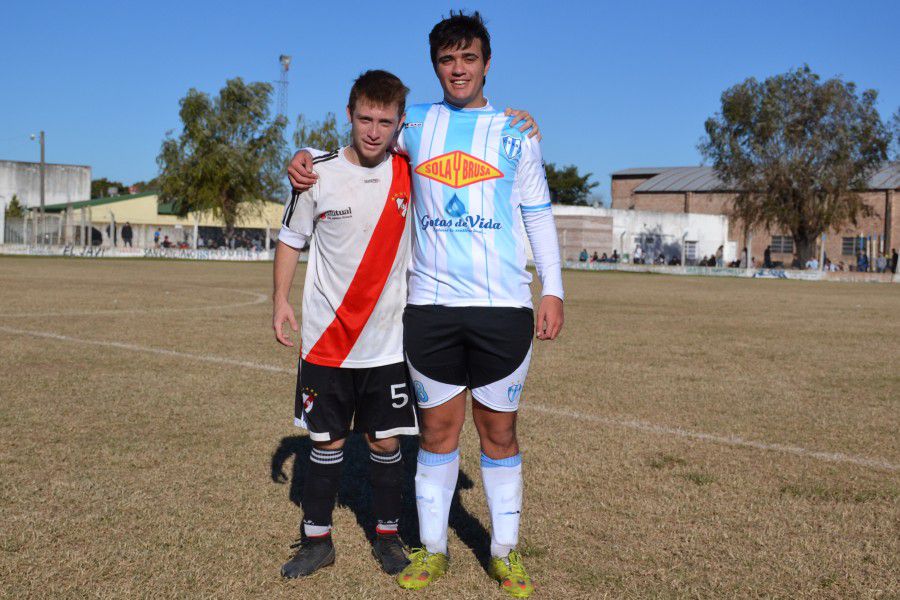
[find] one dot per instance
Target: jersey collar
(486, 108)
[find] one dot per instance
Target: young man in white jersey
(352, 369)
(478, 188)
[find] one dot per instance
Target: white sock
(502, 478)
(436, 476)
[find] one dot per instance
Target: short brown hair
(457, 31)
(379, 87)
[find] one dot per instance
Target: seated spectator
(595, 258)
(704, 262)
(615, 256)
(166, 243)
(812, 264)
(583, 256)
(604, 258)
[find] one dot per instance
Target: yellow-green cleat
(424, 567)
(510, 572)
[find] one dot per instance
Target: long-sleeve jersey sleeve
(537, 217)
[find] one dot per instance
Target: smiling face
(461, 71)
(372, 129)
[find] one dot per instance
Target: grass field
(686, 437)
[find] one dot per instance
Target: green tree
(799, 150)
(567, 186)
(101, 188)
(228, 154)
(324, 136)
(146, 186)
(15, 210)
(895, 126)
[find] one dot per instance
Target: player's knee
(439, 440)
(330, 445)
(383, 446)
(499, 442)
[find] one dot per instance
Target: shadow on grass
(355, 492)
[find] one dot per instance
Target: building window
(849, 245)
(782, 244)
(690, 251)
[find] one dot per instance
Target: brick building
(699, 190)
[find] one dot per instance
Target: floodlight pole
(42, 188)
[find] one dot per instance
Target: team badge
(513, 392)
(458, 169)
(420, 391)
(402, 204)
(512, 146)
(309, 396)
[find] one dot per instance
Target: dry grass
(128, 473)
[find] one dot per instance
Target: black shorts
(485, 349)
(332, 401)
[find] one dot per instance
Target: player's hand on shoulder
(300, 171)
(549, 320)
(282, 311)
(528, 122)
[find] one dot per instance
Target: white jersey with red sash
(355, 220)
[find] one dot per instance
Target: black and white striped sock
(323, 476)
(386, 474)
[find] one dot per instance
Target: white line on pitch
(729, 440)
(136, 348)
(257, 299)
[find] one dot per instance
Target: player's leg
(436, 360)
(500, 354)
(323, 406)
(384, 412)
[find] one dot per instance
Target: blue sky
(613, 85)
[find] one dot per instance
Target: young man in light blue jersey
(478, 189)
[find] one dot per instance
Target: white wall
(709, 231)
(62, 183)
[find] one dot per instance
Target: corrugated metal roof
(639, 171)
(887, 178)
(704, 179)
(95, 202)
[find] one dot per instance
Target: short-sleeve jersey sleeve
(299, 218)
(531, 180)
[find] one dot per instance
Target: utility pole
(41, 216)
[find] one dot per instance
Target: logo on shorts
(309, 396)
(420, 391)
(513, 392)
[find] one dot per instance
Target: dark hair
(379, 87)
(459, 31)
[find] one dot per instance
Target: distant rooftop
(704, 179)
(95, 202)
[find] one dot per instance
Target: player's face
(461, 72)
(372, 129)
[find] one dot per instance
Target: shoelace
(516, 567)
(418, 556)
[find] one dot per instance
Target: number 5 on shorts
(399, 395)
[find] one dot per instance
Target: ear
(402, 121)
(487, 66)
(349, 114)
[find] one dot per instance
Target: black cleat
(389, 551)
(312, 554)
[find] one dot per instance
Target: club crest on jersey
(309, 396)
(458, 169)
(512, 146)
(402, 201)
(513, 392)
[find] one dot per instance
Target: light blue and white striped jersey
(473, 178)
